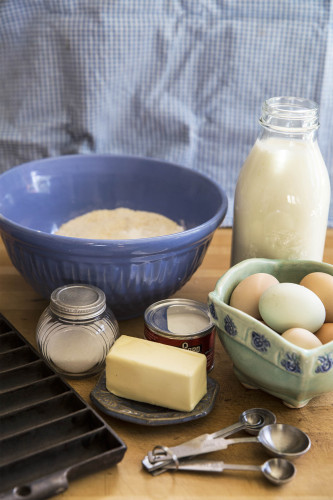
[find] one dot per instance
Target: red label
(204, 345)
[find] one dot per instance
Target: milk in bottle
(283, 192)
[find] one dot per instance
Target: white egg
(288, 305)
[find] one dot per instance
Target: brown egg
(325, 333)
(302, 338)
(247, 293)
(322, 285)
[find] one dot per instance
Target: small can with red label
(181, 323)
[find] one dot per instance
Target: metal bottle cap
(78, 301)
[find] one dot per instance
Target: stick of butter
(155, 373)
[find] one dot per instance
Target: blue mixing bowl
(39, 196)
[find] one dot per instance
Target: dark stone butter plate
(147, 414)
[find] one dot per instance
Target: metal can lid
(78, 301)
(172, 316)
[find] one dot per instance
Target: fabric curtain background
(180, 80)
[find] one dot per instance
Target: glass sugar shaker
(282, 194)
(76, 331)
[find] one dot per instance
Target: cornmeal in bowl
(118, 224)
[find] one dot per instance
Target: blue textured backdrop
(181, 80)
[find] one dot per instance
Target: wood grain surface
(22, 307)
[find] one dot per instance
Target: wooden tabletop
(22, 307)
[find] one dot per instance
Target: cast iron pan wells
(48, 434)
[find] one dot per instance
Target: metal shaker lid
(78, 301)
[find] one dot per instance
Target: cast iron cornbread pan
(48, 434)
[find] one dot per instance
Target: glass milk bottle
(283, 191)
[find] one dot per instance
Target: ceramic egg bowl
(262, 359)
(39, 196)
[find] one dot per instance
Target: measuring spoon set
(282, 441)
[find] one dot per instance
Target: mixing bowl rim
(123, 157)
(187, 237)
(160, 243)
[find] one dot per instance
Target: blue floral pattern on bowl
(230, 326)
(260, 342)
(326, 363)
(212, 311)
(291, 363)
